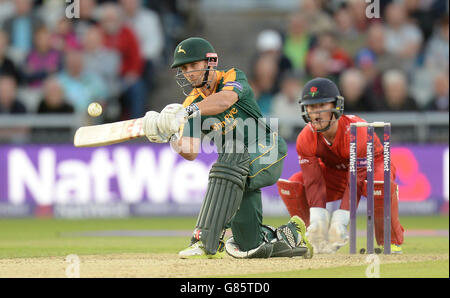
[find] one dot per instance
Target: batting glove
(151, 128)
(171, 118)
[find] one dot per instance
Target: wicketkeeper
(323, 153)
(222, 110)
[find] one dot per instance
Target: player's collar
(199, 91)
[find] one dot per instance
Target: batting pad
(226, 185)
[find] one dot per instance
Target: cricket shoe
(300, 226)
(396, 249)
(197, 251)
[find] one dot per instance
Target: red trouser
(292, 192)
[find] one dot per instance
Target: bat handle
(177, 135)
(182, 120)
(174, 137)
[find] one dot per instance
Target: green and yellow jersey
(241, 119)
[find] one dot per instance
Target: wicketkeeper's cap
(321, 90)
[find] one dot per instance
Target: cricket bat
(116, 132)
(109, 133)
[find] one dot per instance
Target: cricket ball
(94, 109)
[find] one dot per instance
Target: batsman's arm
(217, 102)
(187, 147)
(314, 181)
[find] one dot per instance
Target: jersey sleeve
(235, 80)
(314, 182)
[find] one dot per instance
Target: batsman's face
(320, 114)
(194, 72)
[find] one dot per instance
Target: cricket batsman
(323, 153)
(221, 109)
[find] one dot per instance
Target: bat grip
(182, 120)
(174, 137)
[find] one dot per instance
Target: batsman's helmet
(191, 50)
(321, 90)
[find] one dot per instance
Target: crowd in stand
(110, 53)
(397, 62)
(54, 61)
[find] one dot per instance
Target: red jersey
(126, 43)
(315, 152)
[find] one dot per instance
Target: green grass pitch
(33, 238)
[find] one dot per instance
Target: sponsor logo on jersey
(285, 192)
(302, 160)
(229, 123)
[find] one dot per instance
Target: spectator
(298, 41)
(88, 17)
(53, 102)
(403, 39)
(339, 59)
(349, 38)
(354, 90)
(419, 13)
(9, 104)
(269, 42)
(105, 63)
(263, 80)
(42, 60)
(64, 37)
(6, 10)
(396, 97)
(375, 47)
(52, 11)
(435, 61)
(176, 21)
(119, 37)
(285, 103)
(21, 28)
(147, 26)
(373, 59)
(100, 60)
(437, 50)
(439, 102)
(357, 10)
(319, 21)
(7, 66)
(319, 64)
(81, 87)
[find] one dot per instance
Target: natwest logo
(105, 175)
